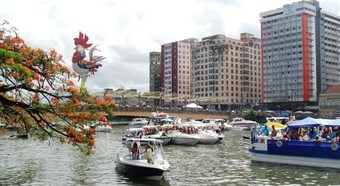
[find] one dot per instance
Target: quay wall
(194, 114)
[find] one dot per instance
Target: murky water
(31, 162)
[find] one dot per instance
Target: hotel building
(176, 70)
(227, 71)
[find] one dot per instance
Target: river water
(32, 162)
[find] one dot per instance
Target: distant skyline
(127, 30)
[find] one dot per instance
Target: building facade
(154, 71)
(330, 100)
(227, 71)
(176, 70)
(300, 53)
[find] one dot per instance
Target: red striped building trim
(305, 58)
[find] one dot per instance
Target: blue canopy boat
(324, 153)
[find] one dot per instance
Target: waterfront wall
(194, 114)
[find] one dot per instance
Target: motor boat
(241, 123)
(207, 137)
(180, 138)
(145, 132)
(132, 133)
(151, 131)
(139, 121)
(136, 165)
(323, 153)
(207, 133)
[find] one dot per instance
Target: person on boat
(265, 131)
(317, 138)
(222, 127)
(336, 137)
(134, 151)
(285, 137)
(325, 132)
(293, 134)
(331, 134)
(139, 134)
(274, 132)
(149, 152)
(303, 135)
(312, 133)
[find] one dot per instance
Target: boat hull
(135, 169)
(178, 140)
(207, 138)
(295, 160)
(304, 153)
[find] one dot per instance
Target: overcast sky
(127, 30)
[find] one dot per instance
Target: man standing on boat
(149, 153)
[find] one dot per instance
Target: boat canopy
(312, 122)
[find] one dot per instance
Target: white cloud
(127, 30)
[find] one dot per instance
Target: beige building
(329, 101)
(227, 71)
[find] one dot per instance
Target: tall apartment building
(227, 71)
(154, 71)
(176, 68)
(301, 45)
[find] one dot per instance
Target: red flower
(92, 143)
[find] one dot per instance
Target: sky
(127, 30)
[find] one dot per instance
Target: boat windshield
(158, 156)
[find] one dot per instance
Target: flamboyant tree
(36, 91)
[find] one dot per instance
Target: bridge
(194, 114)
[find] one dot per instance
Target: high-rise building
(300, 53)
(227, 71)
(155, 72)
(176, 70)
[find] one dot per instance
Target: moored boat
(139, 121)
(241, 123)
(180, 138)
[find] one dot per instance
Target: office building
(300, 53)
(154, 71)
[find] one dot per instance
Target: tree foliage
(36, 90)
(250, 115)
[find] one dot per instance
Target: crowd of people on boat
(314, 134)
(330, 134)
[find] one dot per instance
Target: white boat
(207, 137)
(139, 121)
(146, 132)
(180, 138)
(241, 123)
(151, 131)
(132, 133)
(137, 165)
(207, 133)
(324, 153)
